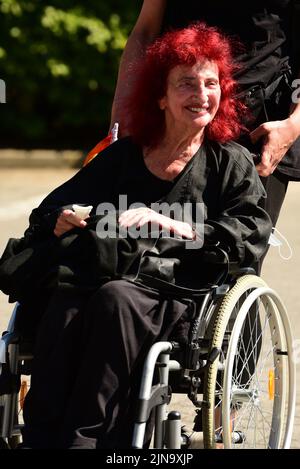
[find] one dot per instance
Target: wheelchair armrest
(215, 254)
(238, 271)
(10, 337)
(7, 339)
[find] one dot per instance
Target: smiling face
(192, 98)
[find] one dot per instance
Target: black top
(222, 177)
(268, 30)
(220, 180)
(263, 26)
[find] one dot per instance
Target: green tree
(59, 61)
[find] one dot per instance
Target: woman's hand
(66, 221)
(277, 136)
(142, 215)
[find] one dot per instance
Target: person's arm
(91, 185)
(144, 215)
(278, 137)
(242, 227)
(146, 29)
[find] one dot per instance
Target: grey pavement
(12, 158)
(22, 189)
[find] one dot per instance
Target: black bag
(170, 267)
(270, 102)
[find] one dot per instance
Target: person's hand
(142, 215)
(66, 221)
(277, 137)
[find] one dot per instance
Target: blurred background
(59, 60)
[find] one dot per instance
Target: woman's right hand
(66, 221)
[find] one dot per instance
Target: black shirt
(221, 177)
(263, 27)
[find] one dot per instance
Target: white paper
(274, 241)
(82, 212)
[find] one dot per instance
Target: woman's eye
(185, 85)
(212, 84)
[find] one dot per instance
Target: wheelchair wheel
(250, 391)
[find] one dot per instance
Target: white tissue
(274, 241)
(280, 244)
(82, 212)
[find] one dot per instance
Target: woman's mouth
(197, 109)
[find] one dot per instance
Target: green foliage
(59, 60)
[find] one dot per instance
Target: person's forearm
(294, 118)
(145, 31)
(295, 109)
(127, 77)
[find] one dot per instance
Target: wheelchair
(236, 367)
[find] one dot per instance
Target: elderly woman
(96, 326)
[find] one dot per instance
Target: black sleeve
(294, 45)
(91, 185)
(241, 227)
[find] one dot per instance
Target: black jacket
(222, 178)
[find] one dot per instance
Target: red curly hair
(146, 121)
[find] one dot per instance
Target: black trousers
(276, 186)
(88, 359)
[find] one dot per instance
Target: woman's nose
(200, 92)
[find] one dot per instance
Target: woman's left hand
(142, 215)
(277, 137)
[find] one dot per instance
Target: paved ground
(21, 190)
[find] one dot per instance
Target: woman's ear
(162, 103)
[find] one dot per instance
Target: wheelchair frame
(210, 351)
(16, 361)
